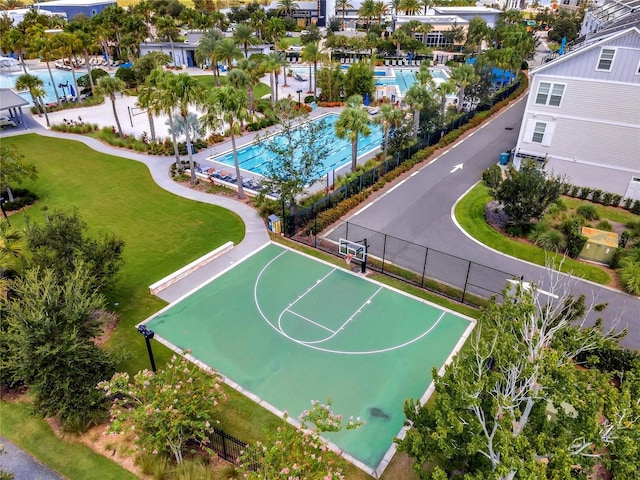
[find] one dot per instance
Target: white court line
(368, 302)
(309, 320)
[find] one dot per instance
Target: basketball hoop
(347, 258)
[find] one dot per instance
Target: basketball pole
(363, 264)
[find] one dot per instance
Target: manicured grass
(605, 213)
(470, 215)
(209, 81)
(162, 232)
(71, 459)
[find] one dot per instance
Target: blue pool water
(253, 157)
(59, 76)
(405, 78)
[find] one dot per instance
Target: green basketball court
(285, 329)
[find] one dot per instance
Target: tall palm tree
(243, 35)
(442, 92)
(68, 44)
(287, 7)
(15, 40)
(271, 64)
(41, 46)
(206, 51)
(110, 86)
(228, 51)
(237, 78)
(417, 97)
(367, 11)
(410, 7)
(353, 121)
(379, 10)
(281, 46)
(343, 5)
(312, 53)
(388, 118)
(426, 4)
(189, 92)
(463, 76)
(398, 37)
(257, 21)
(11, 248)
(229, 105)
(166, 29)
(34, 85)
(165, 101)
(147, 95)
(190, 127)
(275, 28)
(254, 72)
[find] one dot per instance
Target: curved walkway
(255, 229)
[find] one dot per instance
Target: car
(304, 32)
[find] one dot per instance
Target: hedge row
(22, 197)
(596, 195)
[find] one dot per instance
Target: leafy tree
(228, 106)
(514, 405)
(144, 65)
(565, 25)
(526, 193)
(167, 409)
(331, 82)
(389, 118)
(312, 53)
(14, 40)
(463, 76)
(166, 29)
(298, 152)
(109, 87)
(51, 323)
(353, 122)
(359, 80)
(61, 242)
(291, 453)
(13, 168)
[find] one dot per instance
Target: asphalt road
(419, 210)
(22, 465)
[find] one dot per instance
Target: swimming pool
(405, 78)
(8, 80)
(253, 158)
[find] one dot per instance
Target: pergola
(11, 101)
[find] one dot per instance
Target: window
(606, 59)
(538, 132)
(638, 69)
(549, 94)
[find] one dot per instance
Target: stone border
(190, 268)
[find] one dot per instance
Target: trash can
(504, 158)
(274, 224)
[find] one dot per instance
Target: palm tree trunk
(115, 114)
(460, 99)
(36, 104)
(152, 125)
(310, 89)
(416, 123)
(88, 64)
(24, 65)
(236, 164)
(173, 52)
(252, 106)
(354, 154)
(284, 71)
(75, 80)
(315, 82)
(276, 75)
(53, 83)
(273, 97)
(44, 109)
(188, 136)
(386, 142)
(175, 142)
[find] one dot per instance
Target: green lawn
(470, 215)
(209, 81)
(69, 458)
(162, 232)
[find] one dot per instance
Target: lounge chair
(298, 77)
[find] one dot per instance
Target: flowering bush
(291, 454)
(166, 409)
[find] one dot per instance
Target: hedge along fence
(598, 196)
(330, 208)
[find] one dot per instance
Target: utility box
(600, 246)
(274, 224)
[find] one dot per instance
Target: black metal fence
(301, 217)
(227, 447)
(455, 277)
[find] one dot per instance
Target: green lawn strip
(71, 459)
(162, 232)
(209, 81)
(604, 213)
(470, 214)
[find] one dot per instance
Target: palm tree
(443, 91)
(41, 46)
(281, 46)
(398, 37)
(165, 101)
(271, 64)
(111, 86)
(426, 4)
(237, 78)
(410, 7)
(189, 128)
(166, 29)
(257, 21)
(244, 36)
(275, 28)
(147, 95)
(343, 5)
(206, 51)
(227, 50)
(353, 121)
(463, 76)
(228, 105)
(388, 118)
(312, 53)
(417, 97)
(287, 7)
(367, 11)
(379, 9)
(11, 250)
(14, 40)
(34, 85)
(189, 92)
(68, 44)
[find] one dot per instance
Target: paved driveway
(420, 210)
(22, 465)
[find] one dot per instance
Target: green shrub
(588, 212)
(630, 273)
(575, 241)
(617, 257)
(627, 203)
(607, 199)
(636, 207)
(585, 192)
(552, 240)
(604, 225)
(624, 238)
(492, 176)
(565, 188)
(573, 193)
(596, 195)
(538, 229)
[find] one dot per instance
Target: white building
(583, 115)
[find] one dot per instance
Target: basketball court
(285, 328)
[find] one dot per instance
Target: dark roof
(10, 99)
